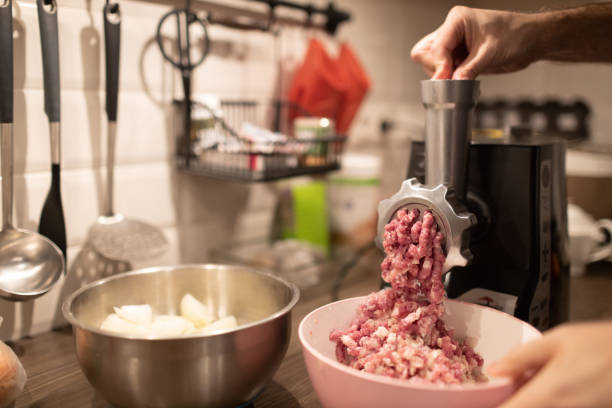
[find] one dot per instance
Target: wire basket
(218, 147)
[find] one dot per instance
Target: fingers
(449, 36)
(435, 51)
(421, 52)
(527, 358)
(436, 60)
(444, 69)
(520, 364)
(533, 394)
(471, 67)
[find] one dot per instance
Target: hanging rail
(327, 19)
(333, 16)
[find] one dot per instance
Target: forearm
(582, 34)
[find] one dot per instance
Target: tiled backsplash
(200, 214)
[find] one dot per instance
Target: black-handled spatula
(52, 223)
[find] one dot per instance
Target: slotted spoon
(113, 235)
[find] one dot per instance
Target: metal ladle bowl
(30, 264)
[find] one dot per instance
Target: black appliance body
(520, 265)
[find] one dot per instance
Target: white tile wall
(199, 215)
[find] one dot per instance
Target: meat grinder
(500, 202)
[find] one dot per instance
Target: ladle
(30, 264)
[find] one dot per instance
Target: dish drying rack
(218, 147)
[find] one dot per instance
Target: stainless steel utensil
(114, 236)
(30, 264)
(448, 129)
(448, 105)
(223, 370)
(52, 223)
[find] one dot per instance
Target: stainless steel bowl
(223, 370)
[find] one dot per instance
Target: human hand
(570, 366)
(473, 41)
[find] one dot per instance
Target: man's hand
(570, 366)
(473, 42)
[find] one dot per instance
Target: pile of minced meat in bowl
(407, 345)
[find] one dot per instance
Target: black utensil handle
(47, 21)
(112, 37)
(187, 92)
(6, 59)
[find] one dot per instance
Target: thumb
(472, 66)
(526, 358)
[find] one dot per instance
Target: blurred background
(205, 191)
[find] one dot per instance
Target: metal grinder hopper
(449, 105)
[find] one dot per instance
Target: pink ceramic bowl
(339, 386)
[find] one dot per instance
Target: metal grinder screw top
(448, 116)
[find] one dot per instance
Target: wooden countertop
(55, 380)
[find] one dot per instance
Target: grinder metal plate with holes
(451, 217)
(448, 105)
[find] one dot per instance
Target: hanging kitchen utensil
(30, 264)
(52, 223)
(114, 236)
(183, 61)
(279, 124)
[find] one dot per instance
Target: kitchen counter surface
(55, 380)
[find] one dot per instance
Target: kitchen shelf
(218, 150)
(221, 173)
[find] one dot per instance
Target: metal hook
(49, 6)
(112, 13)
(309, 11)
(334, 18)
(271, 15)
(112, 8)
